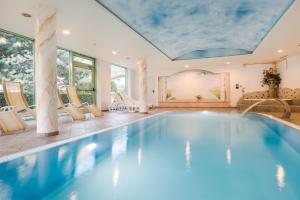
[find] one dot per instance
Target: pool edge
(287, 123)
(13, 156)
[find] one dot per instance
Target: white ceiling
(91, 24)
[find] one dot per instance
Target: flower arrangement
(272, 79)
(271, 76)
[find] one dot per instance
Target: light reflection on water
(116, 175)
(188, 154)
(25, 169)
(280, 176)
(119, 145)
(228, 156)
(73, 196)
(85, 159)
(139, 157)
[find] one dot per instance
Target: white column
(45, 70)
(142, 68)
(104, 77)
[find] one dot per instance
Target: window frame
(33, 56)
(92, 67)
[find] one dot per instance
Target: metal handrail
(286, 107)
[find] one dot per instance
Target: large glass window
(118, 79)
(17, 63)
(84, 77)
(63, 72)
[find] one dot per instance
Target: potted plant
(272, 79)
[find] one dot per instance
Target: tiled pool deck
(10, 144)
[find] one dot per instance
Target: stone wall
(284, 93)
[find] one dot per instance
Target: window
(83, 60)
(84, 77)
(17, 63)
(118, 79)
(63, 72)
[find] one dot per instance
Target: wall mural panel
(194, 29)
(194, 86)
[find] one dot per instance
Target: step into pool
(175, 155)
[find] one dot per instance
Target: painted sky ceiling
(196, 29)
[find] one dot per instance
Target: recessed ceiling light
(279, 51)
(138, 62)
(26, 15)
(114, 52)
(228, 63)
(2, 40)
(66, 32)
(186, 66)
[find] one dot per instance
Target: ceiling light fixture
(228, 63)
(186, 66)
(138, 62)
(279, 51)
(2, 40)
(114, 52)
(26, 15)
(66, 32)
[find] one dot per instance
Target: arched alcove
(194, 88)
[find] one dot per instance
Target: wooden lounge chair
(10, 121)
(71, 110)
(74, 100)
(14, 96)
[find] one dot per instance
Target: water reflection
(228, 156)
(62, 152)
(25, 169)
(85, 159)
(73, 196)
(116, 175)
(188, 154)
(139, 156)
(119, 145)
(5, 192)
(280, 175)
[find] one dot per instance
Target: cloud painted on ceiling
(193, 29)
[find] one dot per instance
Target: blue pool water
(176, 155)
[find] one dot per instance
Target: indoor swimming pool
(174, 155)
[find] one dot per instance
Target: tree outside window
(118, 79)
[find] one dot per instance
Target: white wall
(290, 72)
(133, 83)
(249, 77)
(103, 82)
